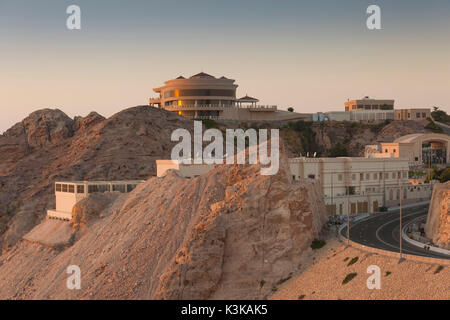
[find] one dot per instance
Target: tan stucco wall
(412, 114)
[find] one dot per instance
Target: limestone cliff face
(231, 233)
(48, 146)
(437, 227)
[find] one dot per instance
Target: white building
(362, 115)
(185, 170)
(360, 185)
(355, 185)
(69, 193)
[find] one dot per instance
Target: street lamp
(348, 214)
(401, 238)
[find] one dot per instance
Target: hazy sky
(311, 55)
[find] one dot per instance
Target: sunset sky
(311, 55)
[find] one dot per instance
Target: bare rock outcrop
(90, 209)
(437, 227)
(229, 234)
(48, 146)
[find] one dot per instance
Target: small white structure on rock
(69, 193)
(185, 170)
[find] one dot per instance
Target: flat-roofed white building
(418, 148)
(362, 115)
(185, 170)
(360, 185)
(69, 193)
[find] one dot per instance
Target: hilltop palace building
(203, 96)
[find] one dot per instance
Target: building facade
(367, 103)
(360, 185)
(69, 193)
(418, 148)
(184, 170)
(412, 114)
(362, 115)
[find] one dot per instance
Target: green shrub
(349, 277)
(440, 115)
(317, 244)
(339, 150)
(353, 261)
(438, 269)
(445, 175)
(209, 123)
(433, 127)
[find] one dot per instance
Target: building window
(92, 189)
(119, 187)
(311, 176)
(424, 115)
(367, 176)
(64, 188)
(80, 189)
(393, 175)
(131, 187)
(418, 114)
(375, 176)
(361, 176)
(353, 176)
(394, 150)
(58, 187)
(71, 188)
(340, 177)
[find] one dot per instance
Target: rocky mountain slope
(307, 137)
(48, 146)
(437, 227)
(229, 234)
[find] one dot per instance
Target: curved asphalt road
(382, 232)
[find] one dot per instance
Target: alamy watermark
(374, 281)
(258, 143)
(73, 21)
(74, 280)
(374, 20)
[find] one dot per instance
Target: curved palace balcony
(219, 107)
(196, 107)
